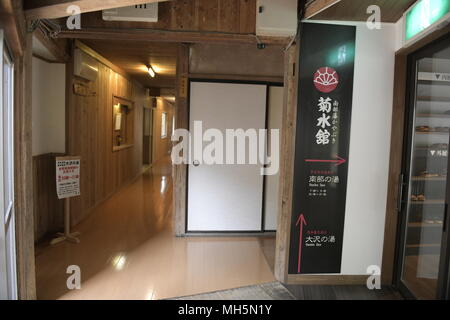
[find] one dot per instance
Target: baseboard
(327, 279)
(228, 234)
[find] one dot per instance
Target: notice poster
(327, 54)
(67, 177)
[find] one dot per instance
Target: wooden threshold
(327, 279)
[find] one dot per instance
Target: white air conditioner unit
(85, 66)
(276, 18)
(143, 13)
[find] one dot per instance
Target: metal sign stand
(68, 189)
(71, 237)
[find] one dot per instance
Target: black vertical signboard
(325, 91)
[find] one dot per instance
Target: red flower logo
(326, 79)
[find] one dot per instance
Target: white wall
(49, 91)
(369, 148)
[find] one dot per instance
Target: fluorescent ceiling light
(151, 72)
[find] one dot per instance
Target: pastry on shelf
(426, 174)
(413, 197)
(421, 197)
(423, 129)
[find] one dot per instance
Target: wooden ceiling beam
(53, 9)
(13, 23)
(318, 6)
(170, 36)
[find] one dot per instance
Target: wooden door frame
(183, 76)
(19, 41)
(399, 110)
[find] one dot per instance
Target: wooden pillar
(181, 109)
(287, 154)
(398, 125)
(23, 174)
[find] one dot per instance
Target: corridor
(128, 251)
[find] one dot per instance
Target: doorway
(147, 143)
(423, 258)
(8, 277)
(234, 196)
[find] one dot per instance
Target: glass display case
(425, 174)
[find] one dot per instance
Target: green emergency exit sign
(424, 14)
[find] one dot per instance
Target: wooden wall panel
(206, 10)
(230, 16)
(90, 120)
(48, 209)
(247, 16)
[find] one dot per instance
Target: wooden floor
(128, 251)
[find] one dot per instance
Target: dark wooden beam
(13, 24)
(318, 6)
(170, 36)
(52, 9)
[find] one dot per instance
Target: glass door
(8, 278)
(423, 258)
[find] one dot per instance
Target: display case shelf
(432, 115)
(418, 178)
(432, 82)
(434, 132)
(433, 99)
(424, 225)
(434, 202)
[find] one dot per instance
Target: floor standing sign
(67, 186)
(322, 146)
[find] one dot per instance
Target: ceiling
(356, 10)
(134, 56)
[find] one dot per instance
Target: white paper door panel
(226, 197)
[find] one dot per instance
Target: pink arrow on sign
(300, 221)
(336, 162)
